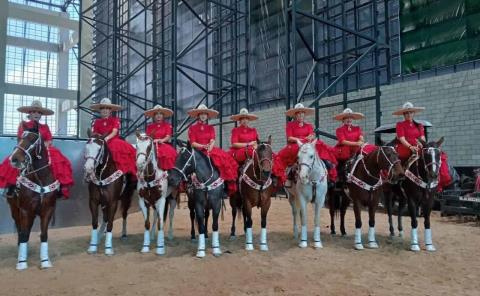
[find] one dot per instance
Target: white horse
(311, 186)
(153, 191)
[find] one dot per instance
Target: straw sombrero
(348, 113)
(159, 109)
(36, 106)
(408, 107)
(299, 108)
(244, 114)
(106, 103)
(202, 109)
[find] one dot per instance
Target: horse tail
(334, 201)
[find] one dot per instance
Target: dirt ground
(337, 269)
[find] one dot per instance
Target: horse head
(29, 147)
(387, 160)
(94, 151)
(144, 150)
(430, 158)
(264, 154)
(306, 158)
(184, 164)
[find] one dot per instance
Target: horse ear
(137, 133)
(269, 140)
(422, 142)
(89, 132)
(440, 142)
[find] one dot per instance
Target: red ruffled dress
(288, 155)
(349, 133)
(203, 133)
(123, 153)
(412, 132)
(61, 166)
(244, 135)
(166, 154)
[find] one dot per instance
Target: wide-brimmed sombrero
(244, 114)
(159, 109)
(299, 108)
(408, 107)
(202, 109)
(105, 103)
(36, 106)
(348, 113)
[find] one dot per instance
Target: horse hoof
(264, 247)
(193, 240)
(160, 251)
(303, 244)
(400, 233)
(46, 264)
(92, 250)
(109, 252)
(372, 245)
(249, 247)
(358, 246)
(145, 250)
(430, 248)
(22, 265)
(333, 234)
(124, 237)
(344, 234)
(317, 245)
(170, 237)
(200, 254)
(217, 252)
(415, 248)
(232, 238)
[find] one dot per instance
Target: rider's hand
(413, 148)
(310, 138)
(360, 143)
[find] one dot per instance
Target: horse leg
(317, 242)
(126, 202)
(263, 232)
(146, 217)
(372, 208)
(160, 206)
(412, 208)
(216, 208)
(332, 205)
(111, 210)
(93, 204)
(427, 208)
(45, 218)
(171, 214)
(294, 216)
(401, 208)
(358, 225)
(303, 215)
(26, 222)
(207, 215)
(388, 199)
(200, 213)
(343, 211)
(192, 221)
(247, 214)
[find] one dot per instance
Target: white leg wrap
(216, 244)
(372, 242)
(93, 242)
(22, 256)
(44, 259)
(263, 240)
(317, 242)
(108, 244)
(303, 237)
(249, 239)
(146, 242)
(160, 250)
(428, 241)
(358, 239)
(201, 246)
(414, 241)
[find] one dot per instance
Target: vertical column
(3, 47)
(62, 74)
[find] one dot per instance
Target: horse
(419, 187)
(36, 194)
(256, 189)
(106, 186)
(152, 191)
(338, 199)
(207, 192)
(191, 207)
(364, 184)
(311, 186)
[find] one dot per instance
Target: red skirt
(124, 156)
(227, 166)
(166, 156)
(61, 169)
(241, 154)
(344, 152)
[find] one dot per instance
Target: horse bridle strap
(155, 183)
(351, 178)
(37, 188)
(250, 182)
(108, 180)
(201, 186)
(416, 179)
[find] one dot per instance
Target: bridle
(196, 183)
(148, 158)
(37, 147)
(98, 159)
(417, 179)
(310, 166)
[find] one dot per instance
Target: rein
(253, 184)
(417, 179)
(97, 180)
(150, 159)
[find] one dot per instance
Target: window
(72, 122)
(56, 4)
(34, 31)
(72, 69)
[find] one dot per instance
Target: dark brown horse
(365, 181)
(36, 193)
(255, 190)
(106, 186)
(338, 199)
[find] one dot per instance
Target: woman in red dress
(349, 136)
(123, 153)
(61, 166)
(408, 131)
(201, 136)
(161, 133)
(299, 130)
(244, 138)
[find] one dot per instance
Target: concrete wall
(452, 104)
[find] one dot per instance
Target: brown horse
(338, 200)
(106, 186)
(36, 193)
(365, 181)
(255, 189)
